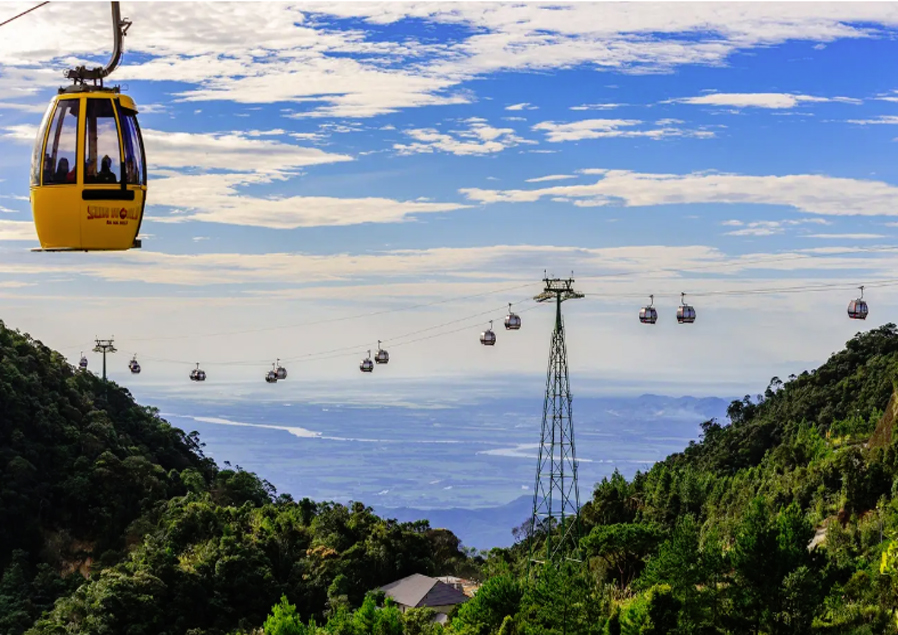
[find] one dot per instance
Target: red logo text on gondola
(111, 215)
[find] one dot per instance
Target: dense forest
(783, 519)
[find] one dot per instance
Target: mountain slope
(115, 520)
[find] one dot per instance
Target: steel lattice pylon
(556, 497)
(104, 346)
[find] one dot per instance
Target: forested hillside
(107, 507)
(782, 519)
(776, 522)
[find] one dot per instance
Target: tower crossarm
(558, 290)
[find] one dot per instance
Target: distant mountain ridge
(482, 528)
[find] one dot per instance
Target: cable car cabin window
(135, 170)
(38, 153)
(60, 157)
(102, 156)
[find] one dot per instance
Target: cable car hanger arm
(119, 30)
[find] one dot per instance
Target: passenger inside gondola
(106, 175)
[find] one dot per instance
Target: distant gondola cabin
(648, 314)
(857, 309)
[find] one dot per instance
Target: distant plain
(438, 461)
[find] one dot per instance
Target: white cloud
(586, 129)
(478, 138)
(882, 119)
(758, 228)
(607, 106)
(17, 230)
(153, 109)
(551, 177)
(19, 133)
(29, 108)
(215, 198)
(815, 194)
(234, 151)
(758, 100)
(309, 136)
(601, 128)
(768, 227)
(522, 106)
(265, 133)
(846, 236)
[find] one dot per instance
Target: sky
(326, 175)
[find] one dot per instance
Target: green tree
(284, 620)
(365, 617)
(561, 600)
(15, 605)
(622, 547)
(388, 620)
(755, 560)
(419, 621)
(498, 598)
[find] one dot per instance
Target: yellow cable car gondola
(88, 173)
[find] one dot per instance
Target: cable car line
(329, 321)
(804, 289)
(762, 291)
(857, 309)
(438, 302)
(402, 340)
(16, 17)
(332, 320)
(429, 337)
(509, 304)
(476, 295)
(590, 295)
(435, 335)
(345, 349)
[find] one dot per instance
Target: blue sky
(320, 171)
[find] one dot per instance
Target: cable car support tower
(556, 497)
(104, 346)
